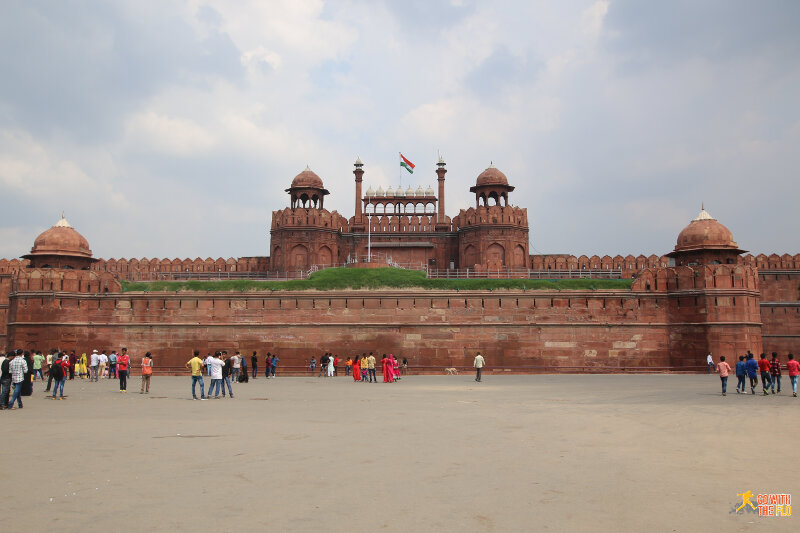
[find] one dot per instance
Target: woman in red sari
(357, 369)
(388, 374)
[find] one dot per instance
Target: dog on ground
(451, 371)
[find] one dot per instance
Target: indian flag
(405, 163)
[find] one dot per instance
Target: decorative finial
(62, 215)
(308, 167)
(702, 206)
(358, 162)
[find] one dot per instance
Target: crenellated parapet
(773, 261)
(65, 280)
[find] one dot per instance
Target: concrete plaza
(430, 453)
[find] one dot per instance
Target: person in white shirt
(94, 362)
(102, 359)
(478, 363)
(215, 369)
(710, 363)
(236, 360)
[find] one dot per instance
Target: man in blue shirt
(740, 374)
(751, 366)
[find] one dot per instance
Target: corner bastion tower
(402, 226)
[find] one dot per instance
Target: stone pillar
(440, 172)
(359, 173)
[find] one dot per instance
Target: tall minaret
(359, 173)
(440, 172)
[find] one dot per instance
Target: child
(751, 367)
(775, 372)
(724, 369)
(794, 369)
(740, 374)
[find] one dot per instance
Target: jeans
(211, 386)
(478, 374)
(112, 370)
(255, 371)
(347, 371)
(741, 382)
(235, 375)
(17, 396)
(5, 391)
(765, 381)
(710, 367)
(195, 379)
(775, 379)
(724, 380)
(123, 380)
(372, 377)
(793, 379)
(59, 383)
(94, 373)
(38, 372)
(227, 380)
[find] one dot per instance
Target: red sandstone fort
(703, 296)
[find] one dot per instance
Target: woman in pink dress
(388, 374)
(395, 367)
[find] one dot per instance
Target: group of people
(363, 367)
(747, 368)
(19, 369)
(224, 370)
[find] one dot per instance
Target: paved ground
(514, 453)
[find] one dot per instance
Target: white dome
(390, 191)
(370, 192)
(420, 192)
(380, 191)
(399, 192)
(429, 191)
(410, 191)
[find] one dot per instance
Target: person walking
(38, 359)
(478, 364)
(364, 368)
(18, 368)
(386, 366)
(741, 374)
(49, 362)
(724, 369)
(710, 363)
(195, 364)
(331, 366)
(356, 369)
(245, 375)
(793, 367)
(274, 365)
(147, 371)
(58, 371)
(73, 360)
(396, 367)
(371, 368)
(348, 366)
(323, 365)
(254, 364)
(215, 364)
(112, 365)
(751, 366)
(123, 360)
(27, 379)
(763, 367)
(83, 367)
(5, 379)
(236, 361)
(227, 372)
(103, 362)
(94, 364)
(775, 372)
(268, 364)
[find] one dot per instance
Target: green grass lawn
(377, 278)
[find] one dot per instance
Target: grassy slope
(376, 278)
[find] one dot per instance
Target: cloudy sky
(171, 128)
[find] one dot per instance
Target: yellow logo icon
(746, 501)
